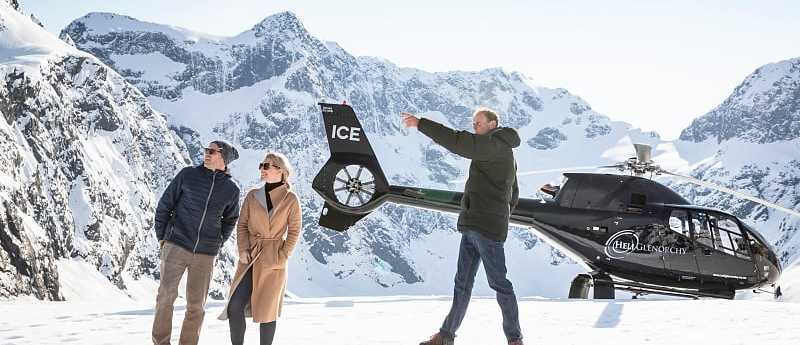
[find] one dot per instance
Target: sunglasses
(210, 151)
(265, 166)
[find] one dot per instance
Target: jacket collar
(276, 195)
(226, 172)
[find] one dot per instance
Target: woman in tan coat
(267, 232)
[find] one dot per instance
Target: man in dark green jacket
(490, 195)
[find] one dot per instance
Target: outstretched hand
(409, 120)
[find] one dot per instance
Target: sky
(654, 64)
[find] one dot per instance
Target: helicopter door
(679, 255)
(722, 250)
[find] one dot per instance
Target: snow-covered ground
(408, 320)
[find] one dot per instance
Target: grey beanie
(229, 153)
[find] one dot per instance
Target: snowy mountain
(762, 109)
(751, 142)
(259, 89)
(83, 156)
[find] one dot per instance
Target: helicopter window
(728, 236)
(702, 233)
(679, 222)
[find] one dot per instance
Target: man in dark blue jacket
(195, 216)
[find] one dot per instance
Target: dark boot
(438, 339)
(516, 342)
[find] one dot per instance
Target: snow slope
(409, 320)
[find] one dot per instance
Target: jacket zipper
(205, 209)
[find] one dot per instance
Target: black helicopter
(631, 233)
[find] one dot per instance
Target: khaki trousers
(174, 261)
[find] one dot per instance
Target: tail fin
(351, 182)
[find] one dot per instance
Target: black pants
(240, 298)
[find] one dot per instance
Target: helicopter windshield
(757, 237)
(728, 237)
(761, 246)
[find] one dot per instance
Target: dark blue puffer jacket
(198, 210)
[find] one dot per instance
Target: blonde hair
(489, 114)
(280, 160)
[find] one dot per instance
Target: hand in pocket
(244, 257)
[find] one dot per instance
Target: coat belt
(258, 246)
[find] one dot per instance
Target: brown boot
(438, 339)
(516, 342)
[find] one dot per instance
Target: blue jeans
(474, 248)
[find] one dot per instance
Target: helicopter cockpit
(712, 230)
(721, 240)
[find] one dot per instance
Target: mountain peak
(104, 23)
(106, 16)
(282, 22)
(762, 109)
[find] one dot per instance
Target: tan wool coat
(270, 238)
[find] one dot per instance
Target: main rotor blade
(535, 172)
(614, 166)
(733, 192)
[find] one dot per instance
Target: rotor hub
(354, 186)
(639, 168)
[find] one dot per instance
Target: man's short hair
(489, 114)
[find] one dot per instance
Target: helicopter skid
(604, 286)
